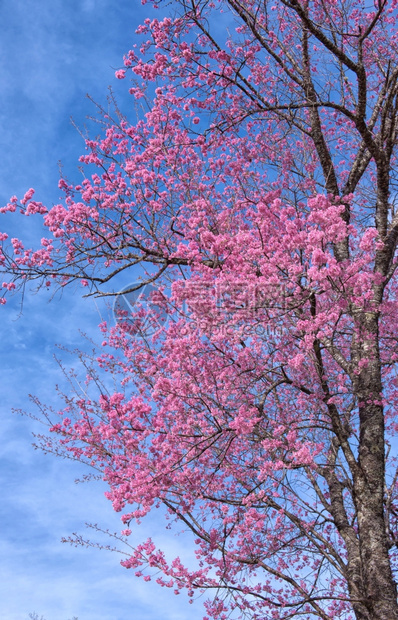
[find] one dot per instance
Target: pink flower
(28, 196)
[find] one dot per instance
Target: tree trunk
(379, 585)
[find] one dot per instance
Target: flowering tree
(257, 192)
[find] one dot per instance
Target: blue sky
(53, 52)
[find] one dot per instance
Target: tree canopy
(256, 191)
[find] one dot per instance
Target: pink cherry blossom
(255, 394)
